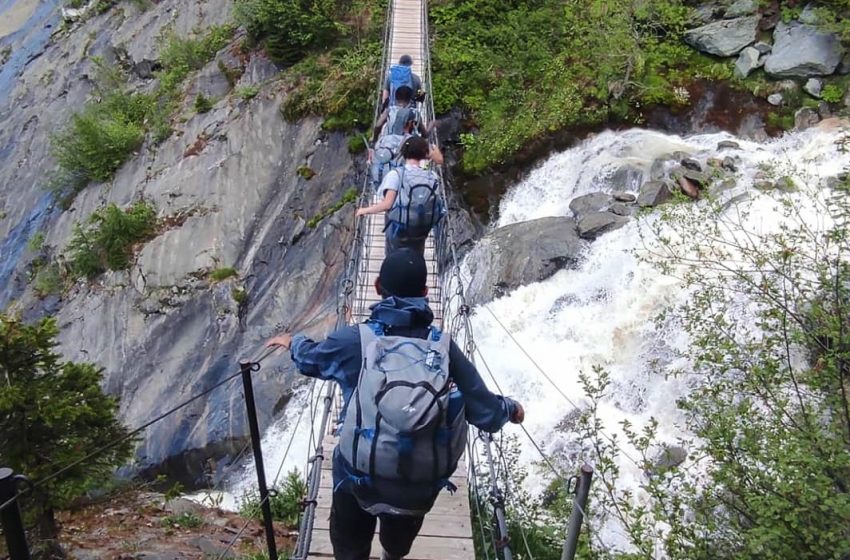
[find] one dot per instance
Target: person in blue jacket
(403, 311)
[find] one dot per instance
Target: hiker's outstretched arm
(484, 409)
(336, 358)
(435, 154)
(383, 206)
(379, 125)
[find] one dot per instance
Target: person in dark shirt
(403, 311)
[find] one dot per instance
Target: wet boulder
(748, 61)
(593, 225)
(520, 254)
(669, 458)
(805, 118)
(627, 178)
(801, 50)
(724, 38)
(653, 193)
(588, 203)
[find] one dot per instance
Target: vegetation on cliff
(52, 414)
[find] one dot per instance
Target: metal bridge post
(10, 516)
(247, 368)
(577, 515)
(498, 501)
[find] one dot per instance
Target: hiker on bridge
(410, 197)
(402, 74)
(408, 393)
(394, 118)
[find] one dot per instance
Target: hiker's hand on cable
(361, 211)
(280, 341)
(519, 414)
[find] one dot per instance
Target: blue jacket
(338, 358)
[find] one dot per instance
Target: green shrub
(48, 280)
(53, 413)
(240, 296)
(832, 93)
(202, 104)
(108, 239)
(36, 242)
(287, 28)
(224, 273)
(188, 520)
(356, 144)
(285, 502)
(306, 172)
(248, 92)
(349, 196)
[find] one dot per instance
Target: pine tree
(52, 413)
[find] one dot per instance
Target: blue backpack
(400, 75)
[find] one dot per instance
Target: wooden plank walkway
(447, 531)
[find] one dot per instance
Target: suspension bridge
(450, 531)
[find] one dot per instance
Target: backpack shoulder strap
(367, 336)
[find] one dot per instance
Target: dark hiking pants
(352, 530)
(393, 243)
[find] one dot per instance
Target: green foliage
(522, 70)
(202, 104)
(174, 491)
(52, 413)
(306, 172)
(48, 280)
(187, 520)
(350, 196)
(240, 296)
(356, 144)
(288, 28)
(782, 120)
(109, 237)
(247, 92)
(36, 242)
(224, 273)
(832, 93)
(285, 501)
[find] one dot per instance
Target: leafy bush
(240, 295)
(48, 280)
(832, 93)
(109, 237)
(53, 413)
(220, 274)
(36, 242)
(202, 104)
(356, 144)
(285, 501)
(287, 28)
(187, 520)
(248, 92)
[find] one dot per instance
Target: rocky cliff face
(227, 186)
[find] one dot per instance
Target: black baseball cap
(403, 274)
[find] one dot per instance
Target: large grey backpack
(405, 420)
(417, 207)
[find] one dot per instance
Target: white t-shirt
(392, 181)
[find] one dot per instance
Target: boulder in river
(801, 50)
(724, 38)
(587, 203)
(593, 225)
(627, 178)
(805, 118)
(653, 193)
(670, 457)
(520, 254)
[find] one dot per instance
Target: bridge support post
(247, 368)
(577, 515)
(10, 517)
(498, 501)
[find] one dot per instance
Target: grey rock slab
(724, 38)
(621, 196)
(627, 178)
(775, 99)
(805, 118)
(801, 50)
(669, 457)
(691, 163)
(762, 47)
(520, 254)
(814, 87)
(593, 225)
(749, 60)
(653, 193)
(728, 145)
(592, 202)
(621, 209)
(741, 8)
